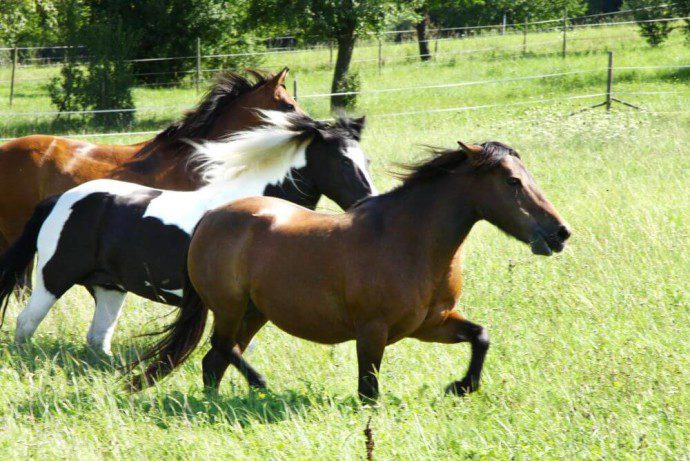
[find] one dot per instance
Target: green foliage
(105, 81)
(351, 83)
(28, 22)
(459, 13)
(170, 28)
(654, 32)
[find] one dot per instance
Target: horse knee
(481, 337)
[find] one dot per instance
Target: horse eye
(289, 107)
(514, 182)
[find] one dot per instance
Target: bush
(104, 82)
(351, 82)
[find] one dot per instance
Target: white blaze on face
(355, 153)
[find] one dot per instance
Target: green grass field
(590, 353)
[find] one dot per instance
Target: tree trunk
(346, 45)
(424, 53)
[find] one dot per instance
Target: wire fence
(439, 55)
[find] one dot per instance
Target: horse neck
(248, 183)
(430, 220)
(238, 115)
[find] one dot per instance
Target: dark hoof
(259, 383)
(460, 388)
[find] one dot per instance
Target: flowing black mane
(445, 161)
(197, 122)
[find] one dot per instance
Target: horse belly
(314, 316)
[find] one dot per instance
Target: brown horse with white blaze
(33, 168)
(385, 270)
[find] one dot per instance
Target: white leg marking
(35, 311)
(108, 308)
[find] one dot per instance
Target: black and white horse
(116, 237)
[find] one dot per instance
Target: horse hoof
(459, 388)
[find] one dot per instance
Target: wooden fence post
(565, 28)
(294, 87)
(380, 56)
(14, 69)
(198, 64)
(609, 82)
(524, 36)
(330, 53)
(503, 24)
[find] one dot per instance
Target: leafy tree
(654, 32)
(328, 20)
(170, 28)
(27, 22)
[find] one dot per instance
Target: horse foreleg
(371, 342)
(108, 309)
(455, 329)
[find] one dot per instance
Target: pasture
(590, 354)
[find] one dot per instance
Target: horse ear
(470, 149)
(280, 78)
(359, 123)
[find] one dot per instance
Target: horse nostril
(563, 233)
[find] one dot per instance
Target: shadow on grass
(233, 405)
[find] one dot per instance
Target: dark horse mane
(445, 161)
(196, 123)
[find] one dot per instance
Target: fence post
(380, 56)
(609, 82)
(503, 24)
(524, 35)
(14, 67)
(330, 53)
(294, 87)
(436, 48)
(565, 28)
(198, 63)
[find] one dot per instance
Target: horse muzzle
(545, 244)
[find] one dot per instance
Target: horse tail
(179, 339)
(16, 260)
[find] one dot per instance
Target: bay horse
(33, 168)
(387, 269)
(115, 237)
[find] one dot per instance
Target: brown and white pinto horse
(33, 168)
(387, 269)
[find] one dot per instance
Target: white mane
(271, 150)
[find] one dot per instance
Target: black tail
(16, 260)
(180, 338)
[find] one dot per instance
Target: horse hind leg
(37, 308)
(224, 348)
(108, 308)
